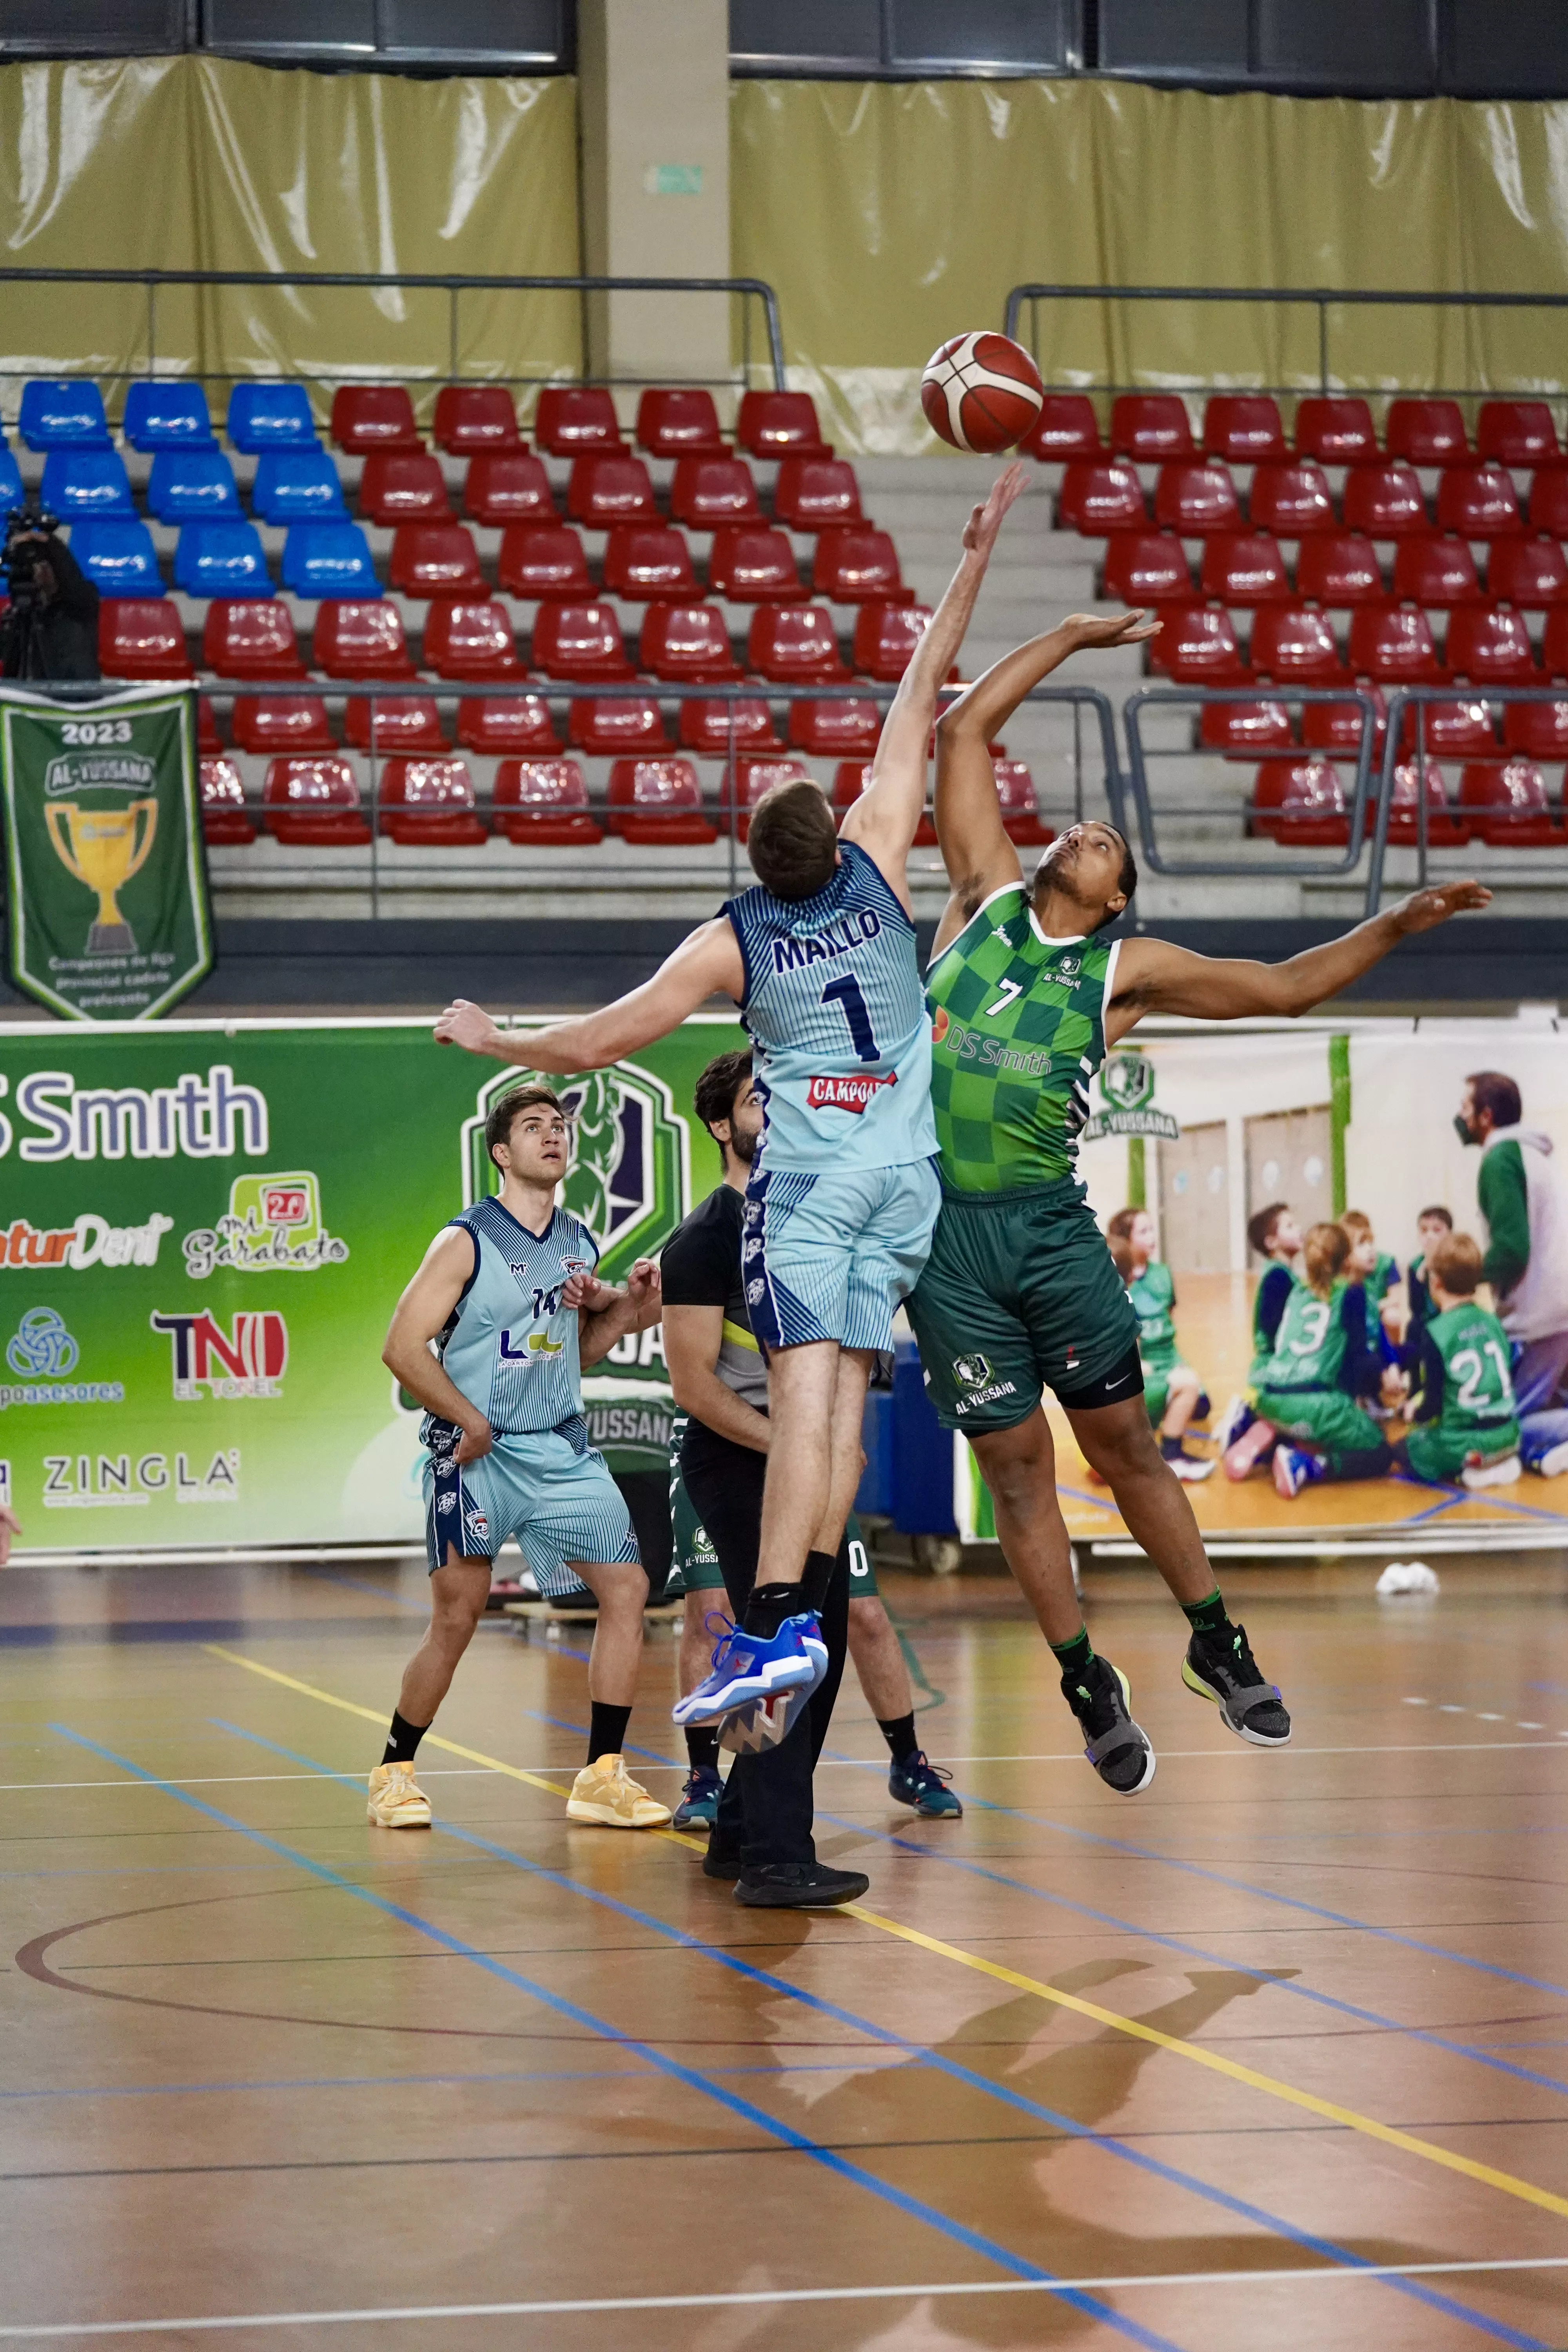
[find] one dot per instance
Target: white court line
(780, 2296)
(230, 1779)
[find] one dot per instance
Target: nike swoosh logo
(1116, 1384)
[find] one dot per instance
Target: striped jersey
(1018, 1031)
(835, 1012)
(510, 1345)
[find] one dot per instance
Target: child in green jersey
(1274, 1234)
(1322, 1367)
(1465, 1423)
(1172, 1392)
(1433, 1225)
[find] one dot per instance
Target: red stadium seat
(705, 493)
(224, 821)
(1395, 646)
(835, 730)
(354, 641)
(1197, 647)
(1437, 572)
(1479, 502)
(544, 804)
(506, 486)
(850, 779)
(473, 417)
(678, 423)
(313, 802)
(816, 494)
(1243, 730)
(436, 558)
(1490, 646)
(1449, 731)
(1517, 432)
(751, 779)
(1301, 803)
(1099, 496)
(885, 638)
(1020, 810)
(1295, 647)
(371, 416)
(430, 804)
(1340, 571)
(1066, 427)
(403, 486)
(1291, 500)
(1243, 428)
(705, 727)
(1337, 432)
(1549, 501)
(579, 641)
(1196, 500)
(644, 561)
(1443, 830)
(754, 565)
(602, 491)
(1554, 643)
(141, 637)
(209, 742)
(506, 722)
(1245, 569)
(1336, 726)
(659, 802)
(543, 560)
(1529, 572)
(1426, 433)
(1151, 569)
(254, 638)
(780, 424)
(1385, 502)
(1151, 427)
(1540, 730)
(282, 723)
(402, 722)
(858, 566)
(795, 647)
(470, 641)
(1508, 806)
(573, 417)
(687, 644)
(612, 726)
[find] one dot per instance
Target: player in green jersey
(1027, 995)
(1172, 1392)
(1325, 1368)
(1466, 1423)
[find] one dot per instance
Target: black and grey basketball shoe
(1115, 1746)
(1222, 1667)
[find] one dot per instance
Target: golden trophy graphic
(102, 848)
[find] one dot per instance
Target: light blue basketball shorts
(833, 1256)
(551, 1491)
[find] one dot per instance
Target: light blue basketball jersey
(835, 1010)
(511, 1346)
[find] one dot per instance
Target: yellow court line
(1347, 2118)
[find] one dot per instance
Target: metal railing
(1365, 800)
(1414, 699)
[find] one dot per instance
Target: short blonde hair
(1323, 1255)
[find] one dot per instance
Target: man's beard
(744, 1147)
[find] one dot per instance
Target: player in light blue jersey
(821, 959)
(491, 1336)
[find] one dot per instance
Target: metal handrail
(1415, 698)
(1200, 696)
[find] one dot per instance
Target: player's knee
(1022, 1469)
(1119, 1442)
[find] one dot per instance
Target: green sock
(1206, 1616)
(1074, 1656)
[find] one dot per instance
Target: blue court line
(392, 2082)
(1494, 1501)
(691, 2077)
(937, 2060)
(1435, 1510)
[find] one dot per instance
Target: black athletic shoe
(720, 1860)
(1115, 1746)
(799, 1887)
(1222, 1667)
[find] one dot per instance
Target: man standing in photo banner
(106, 884)
(1522, 1196)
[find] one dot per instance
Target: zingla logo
(627, 1180)
(274, 1225)
(248, 1362)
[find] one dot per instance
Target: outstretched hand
(984, 523)
(1425, 910)
(468, 1025)
(1113, 628)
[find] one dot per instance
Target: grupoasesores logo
(41, 1349)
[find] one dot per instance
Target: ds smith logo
(200, 1119)
(249, 1362)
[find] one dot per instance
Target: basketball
(981, 393)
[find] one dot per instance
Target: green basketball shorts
(1326, 1418)
(1019, 1295)
(696, 1566)
(1438, 1457)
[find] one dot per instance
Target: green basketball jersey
(1478, 1377)
(1153, 1295)
(1310, 1345)
(1018, 1031)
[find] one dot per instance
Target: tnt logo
(249, 1362)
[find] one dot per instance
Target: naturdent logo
(274, 1225)
(249, 1362)
(91, 1241)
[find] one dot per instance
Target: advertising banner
(106, 880)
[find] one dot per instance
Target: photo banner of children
(1347, 1247)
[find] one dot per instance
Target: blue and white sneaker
(747, 1667)
(1293, 1469)
(698, 1806)
(1237, 1418)
(923, 1785)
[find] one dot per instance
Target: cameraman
(51, 628)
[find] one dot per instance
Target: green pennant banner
(106, 880)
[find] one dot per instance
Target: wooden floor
(1274, 2056)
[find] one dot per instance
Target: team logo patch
(973, 1371)
(754, 1292)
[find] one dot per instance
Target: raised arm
(1151, 976)
(707, 964)
(886, 818)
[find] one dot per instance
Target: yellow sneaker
(396, 1799)
(605, 1791)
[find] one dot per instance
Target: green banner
(105, 870)
(203, 1230)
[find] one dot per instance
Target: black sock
(816, 1576)
(1172, 1448)
(768, 1607)
(606, 1729)
(1206, 1616)
(899, 1735)
(702, 1746)
(1076, 1656)
(402, 1740)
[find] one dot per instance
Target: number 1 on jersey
(845, 993)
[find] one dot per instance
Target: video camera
(28, 530)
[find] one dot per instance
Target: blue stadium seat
(221, 558)
(63, 417)
(328, 559)
(86, 482)
(116, 554)
(270, 417)
(296, 486)
(167, 416)
(11, 491)
(192, 486)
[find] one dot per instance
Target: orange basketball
(981, 393)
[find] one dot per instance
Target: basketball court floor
(1275, 2055)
